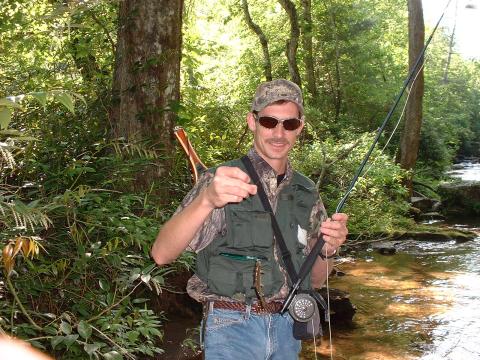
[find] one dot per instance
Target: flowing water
(467, 171)
(421, 303)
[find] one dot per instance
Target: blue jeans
(234, 335)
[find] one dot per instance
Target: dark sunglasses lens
(268, 122)
(271, 122)
(291, 124)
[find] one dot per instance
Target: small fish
(257, 283)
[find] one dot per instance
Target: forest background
(90, 169)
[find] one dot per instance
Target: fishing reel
(303, 307)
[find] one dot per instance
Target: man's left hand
(334, 233)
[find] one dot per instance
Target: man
(222, 219)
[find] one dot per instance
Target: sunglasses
(271, 122)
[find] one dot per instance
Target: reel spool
(302, 307)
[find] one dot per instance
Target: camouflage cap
(276, 90)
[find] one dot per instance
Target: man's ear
(252, 124)
(299, 130)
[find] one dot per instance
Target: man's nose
(279, 130)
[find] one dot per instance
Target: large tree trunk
(267, 64)
(409, 143)
(292, 42)
(146, 79)
(308, 47)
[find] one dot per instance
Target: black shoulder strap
(286, 256)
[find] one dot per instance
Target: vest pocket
(223, 278)
(227, 277)
(251, 228)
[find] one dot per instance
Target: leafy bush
(76, 247)
(332, 166)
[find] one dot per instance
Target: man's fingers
(233, 172)
(331, 232)
(234, 176)
(340, 217)
(237, 190)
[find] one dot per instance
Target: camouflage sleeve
(212, 225)
(317, 216)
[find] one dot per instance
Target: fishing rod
(316, 250)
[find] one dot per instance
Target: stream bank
(421, 303)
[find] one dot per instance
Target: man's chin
(277, 154)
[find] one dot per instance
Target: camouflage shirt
(215, 223)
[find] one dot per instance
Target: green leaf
(56, 340)
(66, 100)
(155, 332)
(104, 285)
(66, 328)
(84, 329)
(37, 344)
(9, 103)
(139, 300)
(113, 355)
(79, 96)
(5, 117)
(50, 330)
(144, 331)
(26, 138)
(70, 339)
(11, 132)
(91, 348)
(133, 335)
(145, 278)
(41, 97)
(149, 268)
(134, 274)
(110, 298)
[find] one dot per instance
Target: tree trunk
(267, 64)
(292, 43)
(450, 45)
(336, 90)
(410, 140)
(308, 47)
(146, 82)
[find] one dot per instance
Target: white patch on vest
(302, 236)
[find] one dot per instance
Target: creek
(421, 303)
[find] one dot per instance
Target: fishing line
(390, 113)
(314, 340)
(416, 69)
(330, 342)
(396, 125)
(362, 176)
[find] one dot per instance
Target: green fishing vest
(249, 233)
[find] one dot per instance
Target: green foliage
(92, 263)
(80, 285)
(380, 188)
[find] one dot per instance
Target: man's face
(274, 144)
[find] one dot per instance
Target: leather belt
(270, 308)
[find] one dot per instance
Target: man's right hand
(230, 184)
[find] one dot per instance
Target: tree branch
(308, 47)
(22, 308)
(267, 64)
(292, 42)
